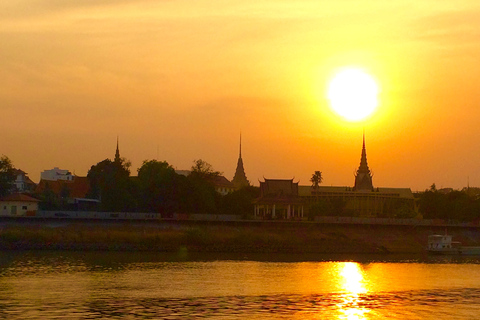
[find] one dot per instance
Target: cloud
(15, 9)
(449, 28)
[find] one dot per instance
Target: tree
(160, 187)
(433, 204)
(110, 183)
(316, 179)
(240, 202)
(7, 176)
(204, 170)
(203, 196)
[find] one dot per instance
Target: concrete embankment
(255, 237)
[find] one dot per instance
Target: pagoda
(363, 176)
(240, 179)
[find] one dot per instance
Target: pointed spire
(117, 153)
(363, 176)
(240, 155)
(363, 138)
(240, 178)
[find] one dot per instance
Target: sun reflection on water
(352, 282)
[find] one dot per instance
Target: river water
(66, 285)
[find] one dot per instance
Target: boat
(443, 244)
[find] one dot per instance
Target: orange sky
(185, 77)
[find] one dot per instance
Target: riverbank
(235, 238)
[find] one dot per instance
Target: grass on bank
(203, 238)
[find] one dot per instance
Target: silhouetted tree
(204, 170)
(111, 184)
(204, 198)
(240, 202)
(433, 204)
(316, 179)
(161, 189)
(7, 176)
(454, 205)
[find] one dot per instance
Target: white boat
(443, 244)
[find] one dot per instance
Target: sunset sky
(179, 80)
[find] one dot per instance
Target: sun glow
(353, 94)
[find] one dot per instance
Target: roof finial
(240, 155)
(363, 137)
(117, 153)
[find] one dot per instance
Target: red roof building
(18, 204)
(76, 188)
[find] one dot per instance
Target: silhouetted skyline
(181, 80)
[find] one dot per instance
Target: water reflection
(117, 286)
(352, 282)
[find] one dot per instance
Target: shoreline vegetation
(222, 238)
(191, 239)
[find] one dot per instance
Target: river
(112, 285)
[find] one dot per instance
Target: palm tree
(316, 180)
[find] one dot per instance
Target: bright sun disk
(353, 94)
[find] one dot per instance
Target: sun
(353, 94)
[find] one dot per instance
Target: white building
(18, 204)
(56, 174)
(22, 182)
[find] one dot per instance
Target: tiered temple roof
(240, 178)
(363, 176)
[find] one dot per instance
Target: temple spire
(240, 178)
(363, 138)
(363, 176)
(117, 153)
(240, 154)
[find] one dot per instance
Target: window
(24, 207)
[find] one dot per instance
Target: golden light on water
(352, 282)
(352, 277)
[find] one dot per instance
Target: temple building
(279, 199)
(240, 178)
(284, 199)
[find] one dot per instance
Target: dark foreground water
(63, 285)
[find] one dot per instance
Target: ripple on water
(426, 304)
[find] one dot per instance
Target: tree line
(156, 188)
(458, 205)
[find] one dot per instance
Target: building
(56, 174)
(286, 199)
(279, 199)
(380, 202)
(240, 178)
(72, 193)
(18, 204)
(363, 200)
(222, 185)
(23, 183)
